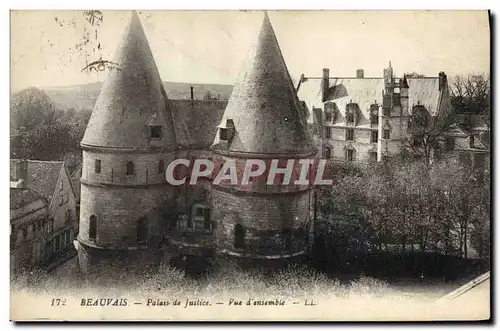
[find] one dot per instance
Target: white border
(186, 4)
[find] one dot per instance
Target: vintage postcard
(250, 165)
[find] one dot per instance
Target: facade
(364, 119)
(131, 217)
(29, 226)
(43, 194)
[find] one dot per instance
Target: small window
(142, 231)
(387, 111)
(61, 187)
(396, 99)
(471, 142)
(374, 136)
(155, 131)
(350, 155)
(372, 156)
(199, 212)
(350, 117)
(67, 215)
(61, 200)
(93, 227)
(161, 166)
(374, 119)
(130, 168)
(287, 239)
(328, 116)
(97, 166)
(328, 133)
(349, 135)
(449, 144)
(328, 152)
(239, 236)
(224, 134)
(206, 219)
(387, 134)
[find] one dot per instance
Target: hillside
(84, 96)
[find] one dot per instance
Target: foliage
(41, 131)
(410, 206)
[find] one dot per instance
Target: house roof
(20, 197)
(42, 176)
(367, 91)
(132, 97)
(424, 91)
(263, 105)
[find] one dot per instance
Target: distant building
(51, 181)
(363, 119)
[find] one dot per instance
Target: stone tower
(263, 120)
(393, 117)
(128, 142)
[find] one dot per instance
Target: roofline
(377, 77)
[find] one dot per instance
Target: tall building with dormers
(364, 119)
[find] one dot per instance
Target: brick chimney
(325, 84)
(443, 80)
(360, 73)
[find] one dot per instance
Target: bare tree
(471, 96)
(425, 133)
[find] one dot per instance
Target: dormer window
(223, 134)
(155, 131)
(374, 114)
(226, 132)
(351, 115)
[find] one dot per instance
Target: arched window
(161, 166)
(328, 152)
(130, 168)
(93, 227)
(239, 236)
(142, 231)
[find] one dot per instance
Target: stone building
(29, 226)
(363, 119)
(43, 212)
(131, 217)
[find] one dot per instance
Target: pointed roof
(131, 98)
(264, 105)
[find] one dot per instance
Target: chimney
(192, 93)
(360, 73)
(443, 81)
(20, 170)
(325, 84)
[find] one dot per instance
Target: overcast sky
(210, 47)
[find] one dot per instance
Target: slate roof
(196, 121)
(366, 91)
(42, 176)
(131, 98)
(263, 105)
(20, 197)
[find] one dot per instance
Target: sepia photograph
(250, 165)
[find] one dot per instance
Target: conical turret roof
(263, 105)
(132, 98)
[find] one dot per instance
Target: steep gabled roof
(131, 98)
(264, 105)
(20, 197)
(42, 176)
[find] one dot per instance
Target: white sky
(210, 46)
